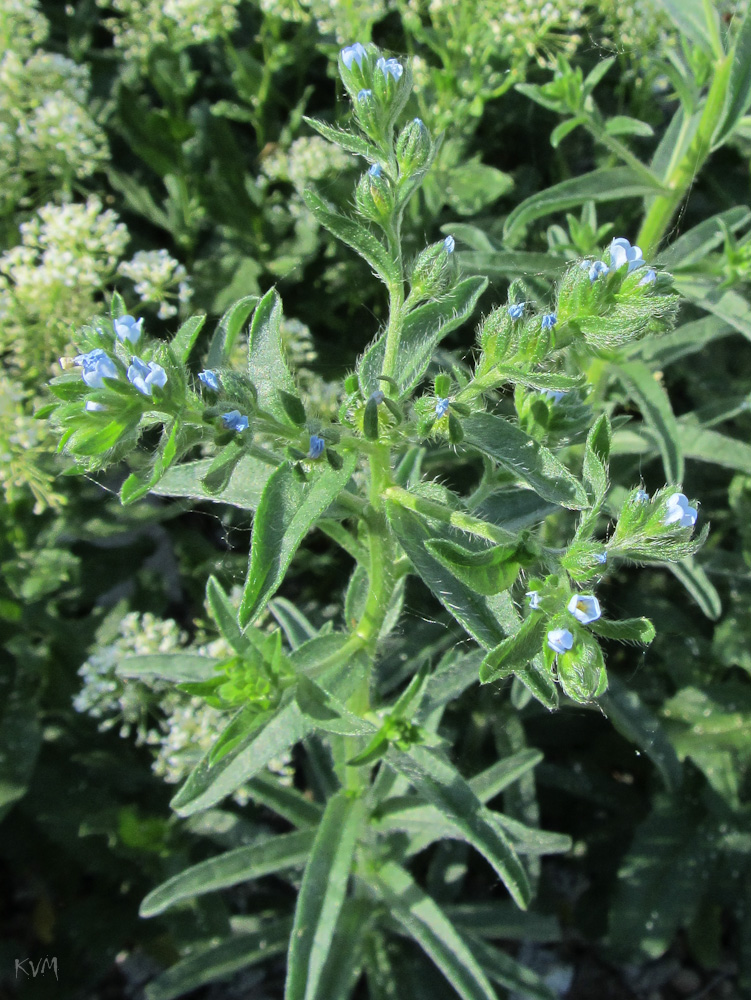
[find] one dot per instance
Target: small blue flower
(442, 407)
(585, 608)
(93, 407)
(560, 640)
(602, 557)
(649, 278)
(378, 396)
(622, 253)
(127, 328)
(210, 379)
(145, 376)
(549, 320)
(353, 53)
(534, 599)
(364, 94)
(390, 66)
(449, 244)
(641, 496)
(316, 446)
(516, 310)
(375, 170)
(97, 365)
(598, 270)
(235, 421)
(554, 397)
(679, 512)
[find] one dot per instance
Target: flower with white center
(597, 270)
(353, 53)
(622, 253)
(442, 407)
(549, 320)
(210, 379)
(679, 511)
(516, 310)
(97, 365)
(449, 244)
(390, 67)
(235, 421)
(145, 376)
(649, 278)
(560, 640)
(534, 599)
(127, 328)
(585, 608)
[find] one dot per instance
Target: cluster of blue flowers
(622, 254)
(97, 365)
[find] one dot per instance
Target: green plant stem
(456, 518)
(396, 307)
(664, 207)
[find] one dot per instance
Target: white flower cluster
(49, 283)
(22, 26)
(158, 278)
(22, 446)
(179, 728)
(344, 19)
(142, 25)
(320, 395)
(46, 128)
(308, 159)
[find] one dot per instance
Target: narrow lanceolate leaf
(284, 801)
(654, 403)
(136, 486)
(526, 458)
(224, 614)
(183, 341)
(442, 785)
(738, 93)
(347, 952)
(243, 490)
(267, 368)
(422, 332)
(287, 510)
(228, 329)
(219, 961)
(698, 584)
(693, 246)
(515, 652)
(626, 630)
(599, 186)
(725, 303)
(322, 894)
(347, 140)
(487, 571)
(264, 857)
(355, 235)
(689, 16)
(428, 925)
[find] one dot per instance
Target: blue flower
(679, 512)
(364, 94)
(97, 365)
(145, 376)
(585, 608)
(560, 640)
(392, 66)
(649, 278)
(210, 379)
(516, 311)
(553, 396)
(598, 270)
(534, 599)
(316, 446)
(622, 253)
(602, 557)
(641, 496)
(375, 170)
(378, 396)
(448, 244)
(127, 328)
(235, 421)
(442, 407)
(353, 53)
(549, 320)
(92, 407)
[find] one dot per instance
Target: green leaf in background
(698, 584)
(501, 968)
(598, 186)
(727, 304)
(184, 340)
(347, 140)
(509, 263)
(692, 247)
(474, 185)
(20, 743)
(228, 330)
(328, 714)
(690, 18)
(738, 93)
(685, 340)
(244, 489)
(526, 458)
(623, 125)
(654, 403)
(178, 668)
(322, 894)
(264, 857)
(267, 368)
(287, 510)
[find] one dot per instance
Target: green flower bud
(374, 195)
(414, 149)
(432, 270)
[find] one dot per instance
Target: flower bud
(414, 149)
(432, 271)
(374, 195)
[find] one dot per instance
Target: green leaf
(264, 857)
(322, 894)
(554, 381)
(738, 93)
(346, 955)
(296, 627)
(514, 652)
(284, 801)
(654, 403)
(219, 961)
(486, 571)
(347, 140)
(563, 129)
(441, 784)
(727, 304)
(183, 341)
(686, 340)
(224, 614)
(422, 332)
(692, 247)
(511, 263)
(598, 186)
(633, 720)
(136, 486)
(626, 630)
(425, 922)
(472, 186)
(525, 458)
(699, 586)
(267, 368)
(327, 713)
(623, 125)
(227, 330)
(244, 489)
(219, 473)
(507, 972)
(710, 446)
(596, 455)
(288, 509)
(356, 236)
(501, 919)
(178, 668)
(690, 19)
